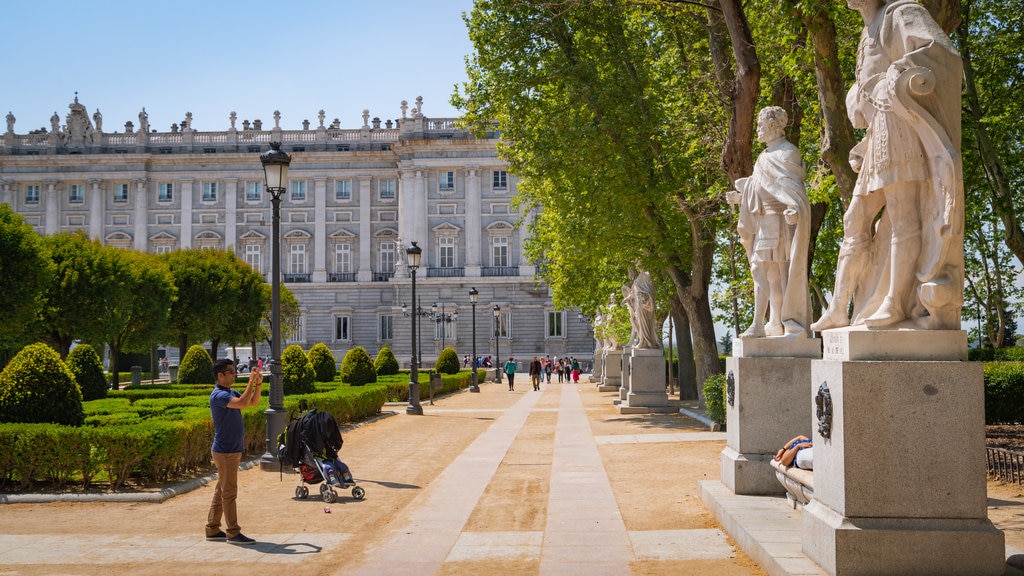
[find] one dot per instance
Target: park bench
(799, 483)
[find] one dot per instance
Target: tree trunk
(687, 369)
(945, 12)
(736, 153)
(182, 346)
(115, 361)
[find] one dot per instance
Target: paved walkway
(552, 483)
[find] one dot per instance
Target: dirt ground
(396, 458)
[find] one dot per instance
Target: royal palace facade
(356, 199)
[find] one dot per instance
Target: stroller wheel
(298, 492)
(358, 493)
(330, 496)
(305, 492)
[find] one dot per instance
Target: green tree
(89, 282)
(297, 373)
(250, 300)
(36, 386)
(142, 317)
(203, 280)
(447, 361)
(357, 368)
(25, 272)
(323, 361)
(385, 364)
(290, 314)
(87, 369)
(196, 367)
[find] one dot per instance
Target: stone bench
(799, 483)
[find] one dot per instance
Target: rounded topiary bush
(385, 364)
(37, 386)
(86, 367)
(357, 368)
(196, 367)
(447, 362)
(323, 362)
(296, 371)
(714, 397)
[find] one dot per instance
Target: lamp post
(473, 387)
(275, 169)
(443, 320)
(414, 253)
(497, 343)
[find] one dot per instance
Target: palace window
(499, 251)
(343, 257)
(299, 191)
(343, 190)
(342, 328)
(120, 192)
(166, 193)
(297, 258)
(386, 327)
(32, 194)
(556, 324)
(209, 191)
(387, 189)
(76, 193)
(446, 252)
(253, 191)
(500, 180)
(387, 257)
(501, 327)
(446, 181)
(252, 256)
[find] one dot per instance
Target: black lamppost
(275, 169)
(443, 320)
(497, 343)
(414, 253)
(473, 387)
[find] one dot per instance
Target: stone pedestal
(899, 460)
(598, 373)
(612, 378)
(646, 382)
(627, 354)
(767, 403)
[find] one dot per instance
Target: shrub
(1004, 390)
(87, 369)
(296, 371)
(714, 397)
(447, 362)
(1010, 354)
(38, 387)
(357, 368)
(385, 364)
(196, 367)
(323, 362)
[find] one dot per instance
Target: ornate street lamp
(443, 320)
(473, 387)
(414, 253)
(497, 342)
(275, 170)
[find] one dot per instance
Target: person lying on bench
(798, 452)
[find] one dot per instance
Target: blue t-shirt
(228, 427)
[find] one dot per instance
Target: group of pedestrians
(541, 369)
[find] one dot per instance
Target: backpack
(289, 445)
(320, 433)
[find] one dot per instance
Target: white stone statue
(639, 298)
(143, 121)
(774, 227)
(10, 122)
(906, 270)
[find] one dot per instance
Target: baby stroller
(310, 445)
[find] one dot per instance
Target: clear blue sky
(212, 57)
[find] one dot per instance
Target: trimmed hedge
(714, 397)
(297, 373)
(37, 386)
(1004, 392)
(357, 368)
(323, 361)
(86, 367)
(385, 364)
(447, 361)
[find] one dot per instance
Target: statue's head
(771, 121)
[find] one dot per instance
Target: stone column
(767, 403)
(140, 219)
(899, 457)
(96, 209)
(474, 231)
(186, 213)
(320, 229)
(52, 205)
(231, 215)
(364, 269)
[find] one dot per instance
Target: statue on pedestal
(774, 228)
(904, 268)
(639, 298)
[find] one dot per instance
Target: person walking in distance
(228, 444)
(510, 372)
(535, 370)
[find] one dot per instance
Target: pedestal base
(899, 469)
(646, 380)
(769, 403)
